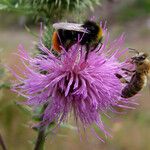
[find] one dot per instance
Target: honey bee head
(139, 58)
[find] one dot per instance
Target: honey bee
(139, 75)
(67, 34)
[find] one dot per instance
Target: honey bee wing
(148, 77)
(70, 26)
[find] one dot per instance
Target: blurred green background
(130, 131)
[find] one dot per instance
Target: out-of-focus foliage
(138, 8)
(48, 36)
(15, 5)
(47, 9)
(3, 76)
(3, 84)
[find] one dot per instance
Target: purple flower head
(71, 84)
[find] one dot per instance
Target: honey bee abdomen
(134, 86)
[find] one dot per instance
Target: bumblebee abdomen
(56, 42)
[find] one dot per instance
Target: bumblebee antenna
(133, 50)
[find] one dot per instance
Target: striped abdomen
(136, 84)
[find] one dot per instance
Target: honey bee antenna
(133, 50)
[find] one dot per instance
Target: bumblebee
(139, 75)
(88, 34)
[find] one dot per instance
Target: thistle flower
(71, 84)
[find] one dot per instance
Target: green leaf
(2, 72)
(5, 85)
(2, 6)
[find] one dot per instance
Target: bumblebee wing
(70, 26)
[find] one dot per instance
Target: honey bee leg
(128, 73)
(132, 71)
(122, 79)
(133, 50)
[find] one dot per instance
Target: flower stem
(40, 141)
(2, 143)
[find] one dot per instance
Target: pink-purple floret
(71, 84)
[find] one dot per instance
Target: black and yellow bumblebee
(67, 34)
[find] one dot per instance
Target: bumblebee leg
(99, 47)
(122, 79)
(95, 46)
(87, 51)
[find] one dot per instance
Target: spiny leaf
(47, 9)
